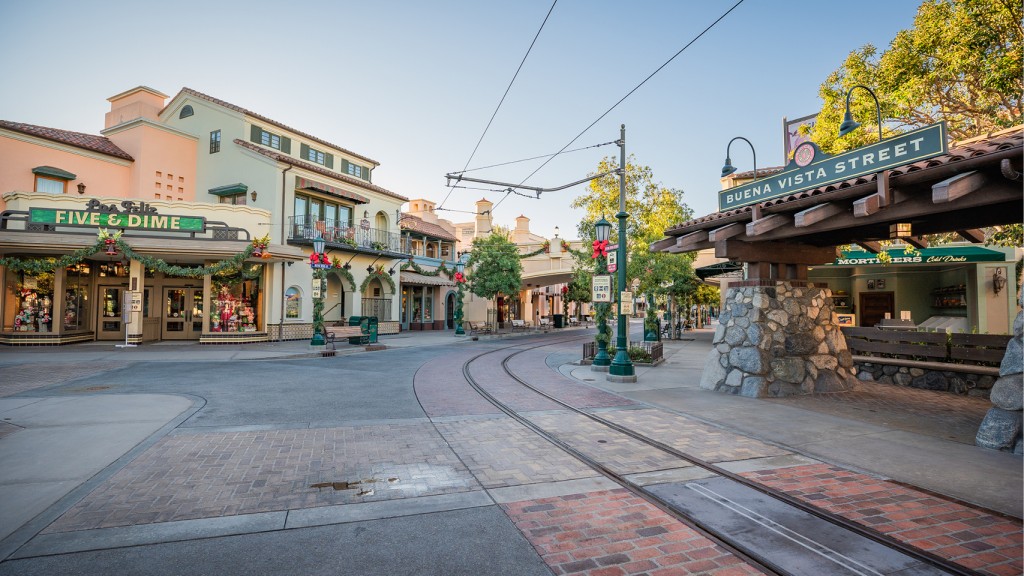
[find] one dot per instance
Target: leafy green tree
(961, 62)
(496, 269)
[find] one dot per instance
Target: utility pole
(621, 369)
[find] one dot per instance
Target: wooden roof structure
(976, 184)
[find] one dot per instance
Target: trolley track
(759, 560)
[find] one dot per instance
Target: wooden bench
(476, 327)
(970, 353)
(520, 325)
(332, 333)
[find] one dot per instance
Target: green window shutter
(255, 133)
(368, 175)
(329, 161)
(303, 151)
(286, 145)
(344, 166)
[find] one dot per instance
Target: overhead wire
(509, 87)
(628, 94)
(533, 158)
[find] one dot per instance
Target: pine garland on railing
(536, 252)
(442, 269)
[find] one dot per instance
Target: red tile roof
(228, 105)
(981, 146)
(410, 222)
(77, 139)
(318, 169)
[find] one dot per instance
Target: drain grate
(354, 485)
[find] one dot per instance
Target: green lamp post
(849, 124)
(318, 298)
(460, 280)
(621, 369)
(602, 230)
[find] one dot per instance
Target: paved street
(188, 459)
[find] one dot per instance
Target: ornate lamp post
(728, 168)
(621, 369)
(849, 125)
(460, 281)
(602, 229)
(318, 262)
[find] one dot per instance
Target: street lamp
(460, 280)
(317, 263)
(556, 231)
(602, 230)
(849, 125)
(621, 369)
(728, 168)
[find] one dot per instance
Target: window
(50, 185)
(214, 141)
(186, 111)
(361, 172)
(271, 140)
(236, 199)
(355, 170)
(292, 303)
(309, 209)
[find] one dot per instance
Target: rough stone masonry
(778, 341)
(1001, 428)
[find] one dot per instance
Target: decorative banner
(127, 221)
(601, 288)
(812, 168)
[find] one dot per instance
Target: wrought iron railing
(301, 227)
(639, 352)
(379, 307)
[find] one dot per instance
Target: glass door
(183, 314)
(109, 324)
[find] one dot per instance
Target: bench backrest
(938, 346)
(978, 348)
(519, 323)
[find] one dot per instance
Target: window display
(234, 307)
(76, 296)
(33, 302)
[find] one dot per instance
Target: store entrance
(109, 319)
(182, 314)
(874, 306)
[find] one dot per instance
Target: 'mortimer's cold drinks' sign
(811, 168)
(131, 216)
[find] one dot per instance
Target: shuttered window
(262, 137)
(316, 156)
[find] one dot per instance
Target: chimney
(139, 102)
(483, 216)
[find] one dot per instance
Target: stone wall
(1001, 428)
(778, 340)
(941, 380)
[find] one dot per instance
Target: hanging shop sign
(613, 260)
(947, 255)
(812, 168)
(601, 288)
(129, 216)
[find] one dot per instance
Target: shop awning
(53, 172)
(307, 184)
(421, 280)
(716, 269)
(229, 189)
(940, 255)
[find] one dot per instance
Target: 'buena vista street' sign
(131, 215)
(812, 168)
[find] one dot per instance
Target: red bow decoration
(459, 278)
(565, 289)
(315, 258)
(600, 248)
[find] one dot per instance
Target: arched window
(186, 111)
(293, 303)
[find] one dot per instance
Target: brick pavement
(939, 414)
(443, 391)
(501, 452)
(532, 367)
(492, 377)
(17, 378)
(203, 475)
(974, 538)
(614, 533)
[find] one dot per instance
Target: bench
(476, 327)
(331, 333)
(545, 322)
(520, 325)
(966, 353)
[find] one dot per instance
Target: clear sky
(413, 83)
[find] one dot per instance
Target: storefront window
(33, 301)
(292, 303)
(428, 304)
(116, 269)
(234, 307)
(405, 304)
(76, 297)
(417, 300)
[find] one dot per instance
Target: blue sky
(412, 84)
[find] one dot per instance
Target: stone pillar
(777, 338)
(1001, 428)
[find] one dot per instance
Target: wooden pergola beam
(974, 235)
(816, 214)
(958, 186)
(726, 232)
(777, 252)
(873, 247)
(916, 241)
(768, 223)
(867, 205)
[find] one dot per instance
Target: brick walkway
(205, 475)
(532, 367)
(17, 378)
(443, 391)
(985, 542)
(614, 533)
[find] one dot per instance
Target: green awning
(229, 190)
(940, 255)
(53, 172)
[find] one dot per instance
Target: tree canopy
(495, 263)
(961, 62)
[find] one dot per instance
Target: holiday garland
(340, 269)
(442, 269)
(537, 252)
(380, 274)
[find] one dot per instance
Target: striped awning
(421, 280)
(307, 184)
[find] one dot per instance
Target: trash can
(559, 320)
(371, 329)
(362, 322)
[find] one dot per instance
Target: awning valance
(421, 280)
(53, 172)
(307, 184)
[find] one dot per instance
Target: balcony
(302, 230)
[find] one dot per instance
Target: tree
(961, 62)
(496, 268)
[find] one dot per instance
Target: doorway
(449, 311)
(182, 314)
(109, 320)
(874, 306)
